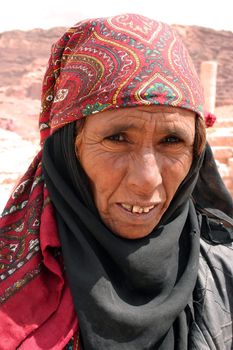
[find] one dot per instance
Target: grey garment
(212, 328)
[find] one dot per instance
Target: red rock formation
(206, 44)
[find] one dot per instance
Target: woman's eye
(171, 140)
(116, 138)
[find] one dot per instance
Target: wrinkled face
(135, 159)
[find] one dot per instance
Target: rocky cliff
(210, 45)
(23, 56)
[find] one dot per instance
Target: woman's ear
(76, 149)
(79, 129)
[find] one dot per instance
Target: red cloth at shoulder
(34, 294)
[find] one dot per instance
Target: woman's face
(135, 159)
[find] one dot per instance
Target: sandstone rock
(224, 112)
(222, 153)
(230, 164)
(15, 157)
(23, 54)
(6, 123)
(20, 115)
(224, 122)
(223, 169)
(223, 136)
(206, 44)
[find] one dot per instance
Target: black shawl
(130, 294)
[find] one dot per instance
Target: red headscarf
(99, 64)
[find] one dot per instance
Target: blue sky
(29, 14)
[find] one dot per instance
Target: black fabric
(210, 192)
(128, 294)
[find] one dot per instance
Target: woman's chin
(130, 225)
(131, 231)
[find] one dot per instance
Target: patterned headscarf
(121, 61)
(97, 65)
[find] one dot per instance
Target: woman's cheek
(174, 170)
(105, 171)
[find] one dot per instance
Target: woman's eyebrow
(163, 128)
(175, 130)
(114, 129)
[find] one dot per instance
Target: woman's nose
(144, 173)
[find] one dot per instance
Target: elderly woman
(119, 236)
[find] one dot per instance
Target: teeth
(127, 206)
(136, 208)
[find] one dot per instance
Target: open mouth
(136, 208)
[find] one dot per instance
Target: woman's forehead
(147, 111)
(135, 117)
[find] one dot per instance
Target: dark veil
(194, 211)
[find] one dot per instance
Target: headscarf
(97, 65)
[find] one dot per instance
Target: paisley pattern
(124, 61)
(97, 65)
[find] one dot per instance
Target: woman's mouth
(137, 209)
(136, 220)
